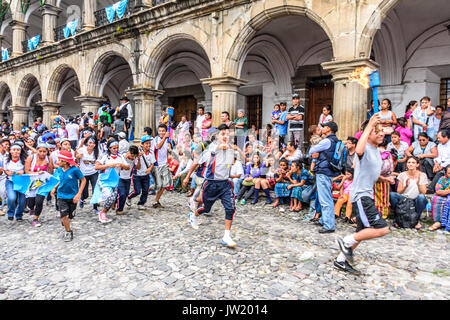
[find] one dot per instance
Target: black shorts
(66, 207)
(367, 215)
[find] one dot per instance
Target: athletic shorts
(163, 176)
(66, 207)
(367, 215)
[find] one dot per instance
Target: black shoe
(81, 203)
(19, 219)
(68, 236)
(10, 218)
(317, 223)
(345, 266)
(348, 252)
(323, 230)
(26, 210)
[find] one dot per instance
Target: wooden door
(254, 111)
(320, 95)
(184, 106)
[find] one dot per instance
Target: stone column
(49, 109)
(49, 17)
(89, 8)
(350, 98)
(89, 104)
(144, 109)
(224, 92)
(18, 28)
(20, 114)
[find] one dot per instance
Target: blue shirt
(68, 185)
(282, 128)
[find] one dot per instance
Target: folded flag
(105, 184)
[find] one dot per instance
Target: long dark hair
(108, 145)
(23, 154)
(390, 104)
(409, 105)
(96, 145)
(416, 159)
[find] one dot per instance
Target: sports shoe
(26, 210)
(19, 219)
(68, 236)
(140, 207)
(81, 204)
(128, 202)
(58, 214)
(96, 211)
(11, 218)
(192, 218)
(192, 204)
(103, 218)
(348, 252)
(36, 223)
(227, 241)
(243, 201)
(345, 266)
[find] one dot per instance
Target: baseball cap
(66, 156)
(122, 135)
(145, 138)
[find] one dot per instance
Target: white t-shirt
(72, 131)
(13, 166)
(237, 169)
(88, 168)
(126, 174)
(108, 159)
(198, 121)
(150, 158)
(160, 154)
(412, 191)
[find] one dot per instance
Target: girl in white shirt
(325, 116)
(86, 155)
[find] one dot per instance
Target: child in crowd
(69, 193)
(315, 132)
(276, 112)
(282, 183)
(296, 185)
(161, 172)
(405, 132)
(325, 116)
(173, 167)
(134, 161)
(344, 188)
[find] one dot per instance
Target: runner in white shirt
(133, 160)
(161, 172)
(73, 132)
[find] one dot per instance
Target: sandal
(435, 226)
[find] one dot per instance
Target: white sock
(341, 257)
(227, 234)
(349, 240)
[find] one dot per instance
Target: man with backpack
(330, 154)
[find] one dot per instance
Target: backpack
(339, 158)
(405, 214)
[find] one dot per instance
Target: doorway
(184, 106)
(254, 111)
(321, 93)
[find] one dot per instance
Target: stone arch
(5, 96)
(27, 84)
(316, 50)
(236, 54)
(55, 84)
(373, 25)
(99, 70)
(158, 61)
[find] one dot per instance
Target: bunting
(33, 42)
(118, 7)
(5, 54)
(70, 28)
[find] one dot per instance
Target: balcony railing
(59, 31)
(158, 2)
(25, 47)
(101, 18)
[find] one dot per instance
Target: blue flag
(33, 42)
(5, 54)
(48, 187)
(110, 12)
(105, 184)
(21, 183)
(120, 8)
(30, 184)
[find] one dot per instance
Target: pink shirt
(405, 134)
(347, 186)
(358, 134)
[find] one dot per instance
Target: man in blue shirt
(324, 151)
(281, 125)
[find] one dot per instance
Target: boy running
(67, 189)
(161, 172)
(370, 225)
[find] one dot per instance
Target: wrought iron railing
(25, 46)
(101, 19)
(158, 2)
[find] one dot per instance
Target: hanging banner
(118, 7)
(5, 54)
(33, 42)
(70, 28)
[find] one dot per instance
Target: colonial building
(221, 54)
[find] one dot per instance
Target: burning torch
(368, 78)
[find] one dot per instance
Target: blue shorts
(218, 189)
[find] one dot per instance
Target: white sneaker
(140, 207)
(192, 218)
(128, 202)
(103, 218)
(58, 214)
(192, 204)
(227, 241)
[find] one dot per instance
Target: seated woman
(291, 153)
(282, 182)
(266, 180)
(400, 147)
(304, 180)
(426, 151)
(412, 184)
(252, 172)
(439, 203)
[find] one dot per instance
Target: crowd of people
(402, 158)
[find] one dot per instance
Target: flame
(361, 75)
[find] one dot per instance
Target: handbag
(248, 183)
(405, 213)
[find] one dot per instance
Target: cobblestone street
(157, 255)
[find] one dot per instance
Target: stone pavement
(155, 254)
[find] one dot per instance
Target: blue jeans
(324, 186)
(140, 184)
(420, 202)
(16, 201)
(123, 189)
(237, 184)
